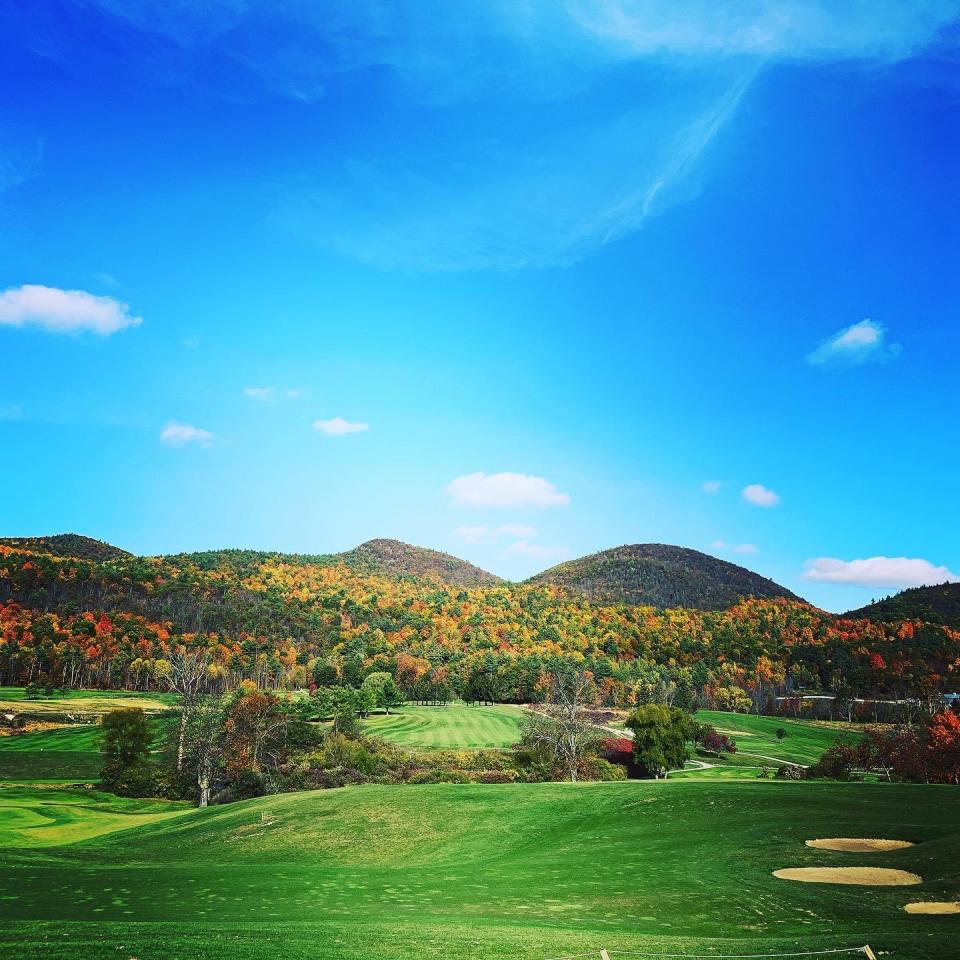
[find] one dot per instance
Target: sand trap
(933, 907)
(864, 876)
(859, 844)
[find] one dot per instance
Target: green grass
(757, 742)
(471, 871)
(456, 726)
(67, 754)
(37, 817)
(58, 755)
(14, 700)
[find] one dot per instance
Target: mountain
(395, 558)
(67, 545)
(939, 604)
(660, 575)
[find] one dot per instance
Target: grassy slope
(456, 726)
(804, 743)
(13, 699)
(37, 817)
(66, 754)
(453, 871)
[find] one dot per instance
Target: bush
(790, 771)
(836, 763)
(138, 780)
(596, 768)
(496, 776)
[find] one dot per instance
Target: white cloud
(63, 311)
(527, 549)
(893, 572)
(484, 534)
(338, 427)
(735, 547)
(759, 495)
(258, 393)
(505, 490)
(711, 486)
(863, 342)
(180, 434)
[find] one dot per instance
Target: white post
(605, 956)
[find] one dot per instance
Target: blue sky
(521, 283)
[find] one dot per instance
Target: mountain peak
(937, 604)
(396, 558)
(67, 545)
(660, 575)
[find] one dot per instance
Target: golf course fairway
(471, 871)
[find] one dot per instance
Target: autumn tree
(204, 747)
(943, 746)
(185, 673)
(558, 729)
(258, 730)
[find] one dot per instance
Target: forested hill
(288, 621)
(939, 604)
(395, 558)
(659, 575)
(67, 545)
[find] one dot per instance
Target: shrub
(712, 741)
(496, 776)
(836, 763)
(597, 768)
(790, 771)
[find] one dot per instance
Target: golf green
(455, 726)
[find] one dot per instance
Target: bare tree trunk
(204, 781)
(181, 737)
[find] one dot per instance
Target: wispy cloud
(541, 552)
(106, 279)
(711, 486)
(863, 342)
(258, 393)
(783, 29)
(18, 165)
(64, 311)
(744, 548)
(338, 427)
(890, 572)
(520, 194)
(759, 495)
(298, 49)
(505, 490)
(176, 434)
(511, 204)
(482, 533)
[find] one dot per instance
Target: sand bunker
(936, 907)
(858, 844)
(863, 876)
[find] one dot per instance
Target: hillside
(660, 575)
(395, 558)
(67, 545)
(939, 604)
